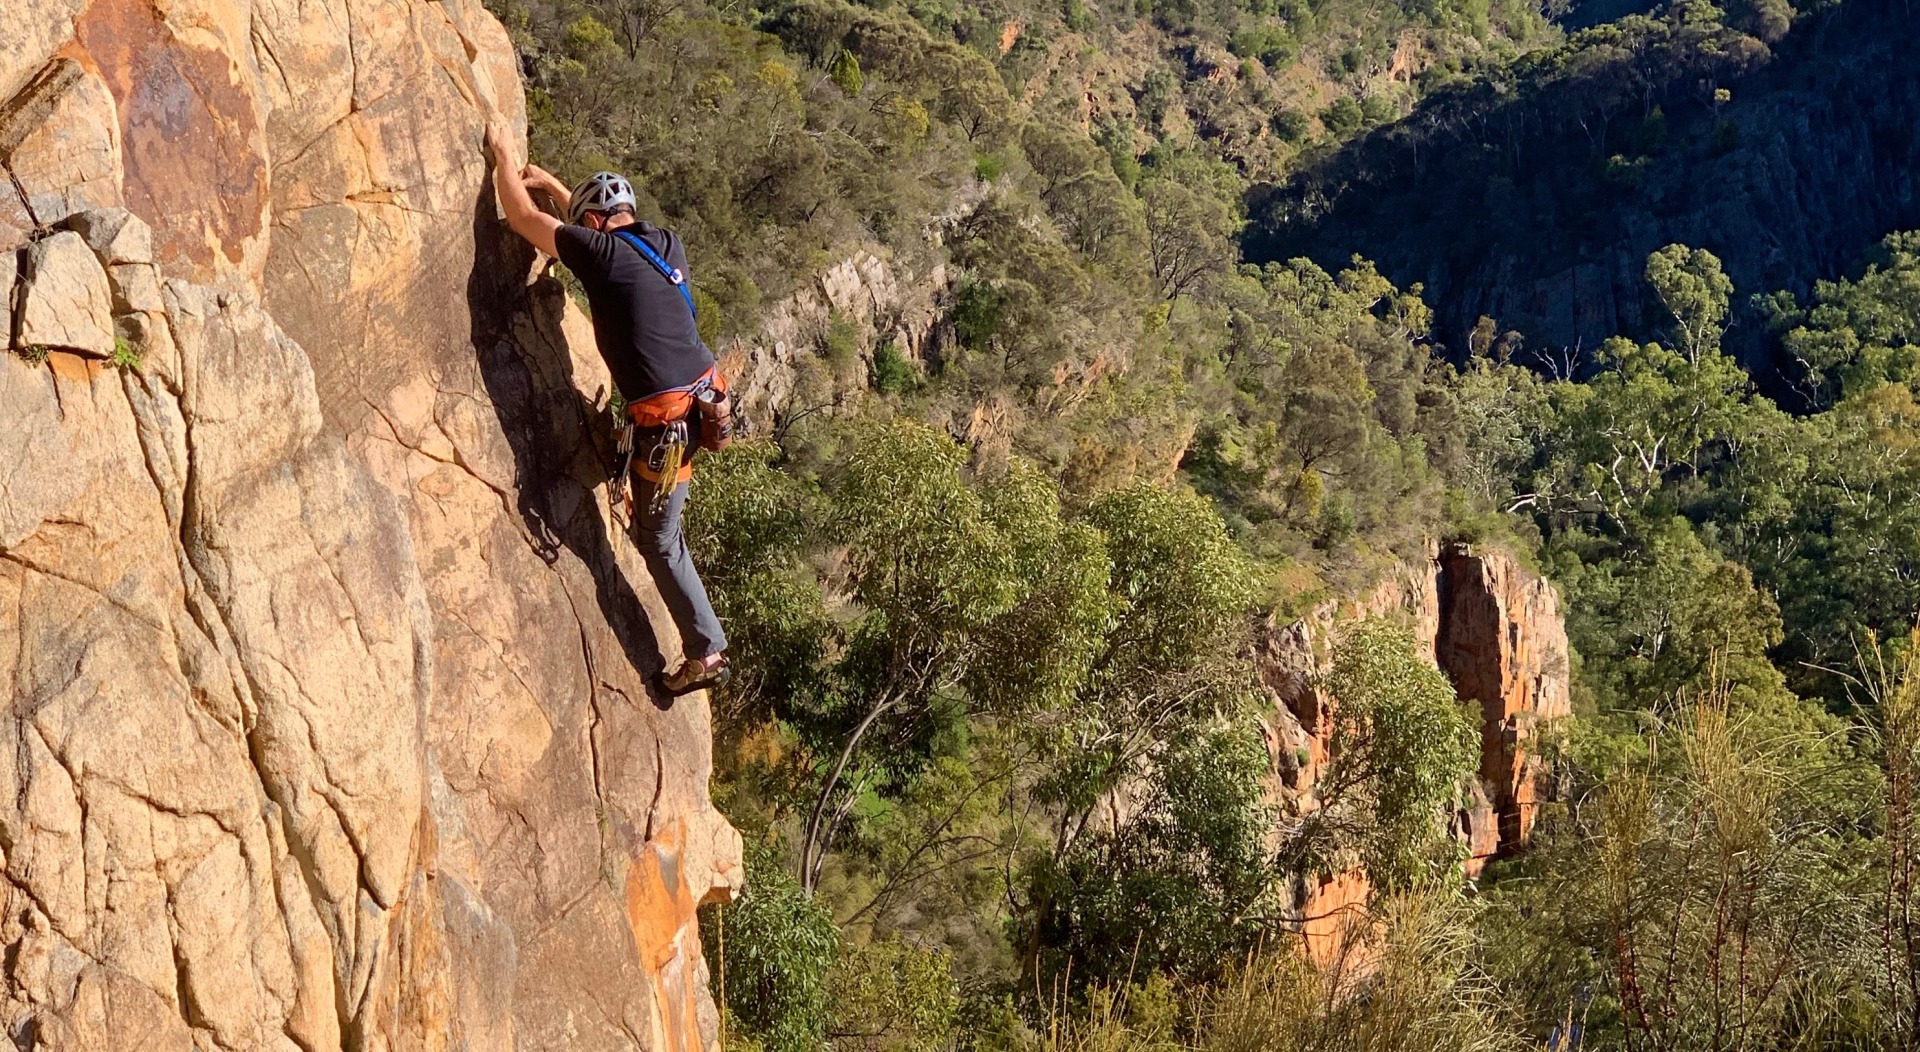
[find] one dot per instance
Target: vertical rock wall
(1501, 640)
(328, 721)
(1495, 629)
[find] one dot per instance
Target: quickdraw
(665, 461)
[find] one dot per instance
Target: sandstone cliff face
(328, 718)
(1495, 629)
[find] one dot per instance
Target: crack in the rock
(593, 713)
(387, 197)
(499, 655)
(14, 556)
(309, 869)
(211, 615)
(212, 624)
(220, 819)
(593, 705)
(330, 792)
(353, 607)
(326, 130)
(261, 44)
(191, 1011)
(26, 201)
(468, 93)
(659, 785)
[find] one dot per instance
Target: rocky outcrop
(1501, 640)
(865, 290)
(329, 721)
(1495, 629)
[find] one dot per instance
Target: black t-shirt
(640, 320)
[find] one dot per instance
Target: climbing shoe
(697, 675)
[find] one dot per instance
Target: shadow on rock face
(561, 442)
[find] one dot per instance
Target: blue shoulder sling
(673, 275)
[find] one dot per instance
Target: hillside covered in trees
(1784, 147)
(995, 743)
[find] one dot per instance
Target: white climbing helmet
(600, 192)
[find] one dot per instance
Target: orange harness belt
(666, 409)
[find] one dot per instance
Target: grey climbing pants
(662, 544)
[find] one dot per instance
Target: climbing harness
(661, 432)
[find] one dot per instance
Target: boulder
(66, 301)
(115, 235)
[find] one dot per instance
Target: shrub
(977, 312)
(894, 995)
(892, 372)
(1290, 125)
(1343, 118)
(779, 946)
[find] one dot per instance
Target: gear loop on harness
(625, 434)
(663, 439)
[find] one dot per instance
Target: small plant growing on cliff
(126, 356)
(892, 372)
(34, 352)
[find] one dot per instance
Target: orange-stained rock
(331, 721)
(189, 121)
(1504, 645)
(1478, 827)
(1333, 914)
(1495, 629)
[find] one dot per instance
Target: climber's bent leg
(664, 547)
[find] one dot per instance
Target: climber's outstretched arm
(523, 215)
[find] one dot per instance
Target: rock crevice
(1495, 629)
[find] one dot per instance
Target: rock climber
(645, 325)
